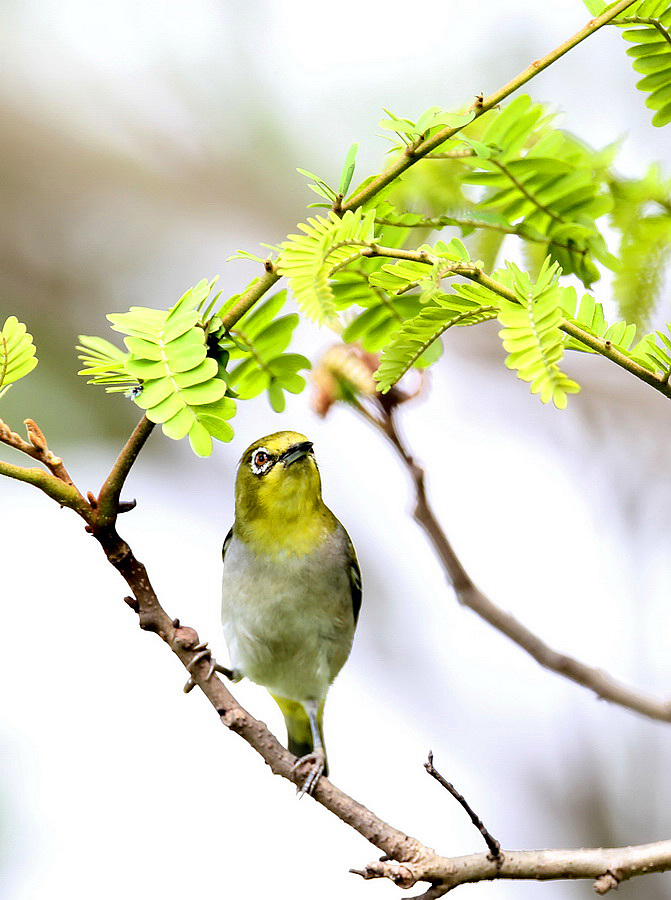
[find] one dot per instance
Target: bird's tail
(298, 726)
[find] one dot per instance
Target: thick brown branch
(185, 643)
(607, 866)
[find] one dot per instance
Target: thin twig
(55, 482)
(35, 447)
(406, 861)
(493, 845)
(596, 680)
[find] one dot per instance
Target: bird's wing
(354, 580)
(227, 541)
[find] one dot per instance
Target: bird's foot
(315, 763)
(204, 652)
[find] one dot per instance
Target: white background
(112, 781)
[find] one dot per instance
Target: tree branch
(420, 149)
(493, 845)
(467, 270)
(406, 860)
(108, 498)
(602, 684)
(55, 482)
(608, 866)
(412, 860)
(254, 292)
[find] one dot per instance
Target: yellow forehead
(276, 443)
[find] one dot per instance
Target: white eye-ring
(261, 461)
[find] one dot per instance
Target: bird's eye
(261, 461)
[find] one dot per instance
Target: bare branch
(35, 447)
(406, 860)
(55, 482)
(603, 684)
(607, 866)
(493, 845)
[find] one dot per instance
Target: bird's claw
(202, 651)
(317, 763)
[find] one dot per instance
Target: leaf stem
(646, 20)
(505, 170)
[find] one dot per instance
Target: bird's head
(277, 478)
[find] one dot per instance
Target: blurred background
(142, 144)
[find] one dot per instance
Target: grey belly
(288, 624)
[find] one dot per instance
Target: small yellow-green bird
(291, 589)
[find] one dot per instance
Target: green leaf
(288, 364)
(308, 260)
(104, 363)
(531, 334)
(418, 334)
(181, 387)
(200, 439)
(651, 56)
(17, 353)
(348, 169)
(276, 397)
(319, 185)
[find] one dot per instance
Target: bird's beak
(298, 451)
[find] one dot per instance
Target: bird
(291, 590)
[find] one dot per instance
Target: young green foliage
(309, 259)
(642, 214)
(257, 343)
(653, 357)
(651, 53)
(590, 317)
(17, 353)
(467, 306)
(167, 364)
(531, 333)
(545, 184)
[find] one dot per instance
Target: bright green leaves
(647, 25)
(17, 353)
(590, 317)
(532, 336)
(105, 364)
(651, 53)
(546, 186)
(642, 215)
(308, 260)
(256, 345)
(417, 335)
(320, 187)
(431, 121)
(653, 357)
(404, 275)
(180, 387)
(184, 367)
(167, 369)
